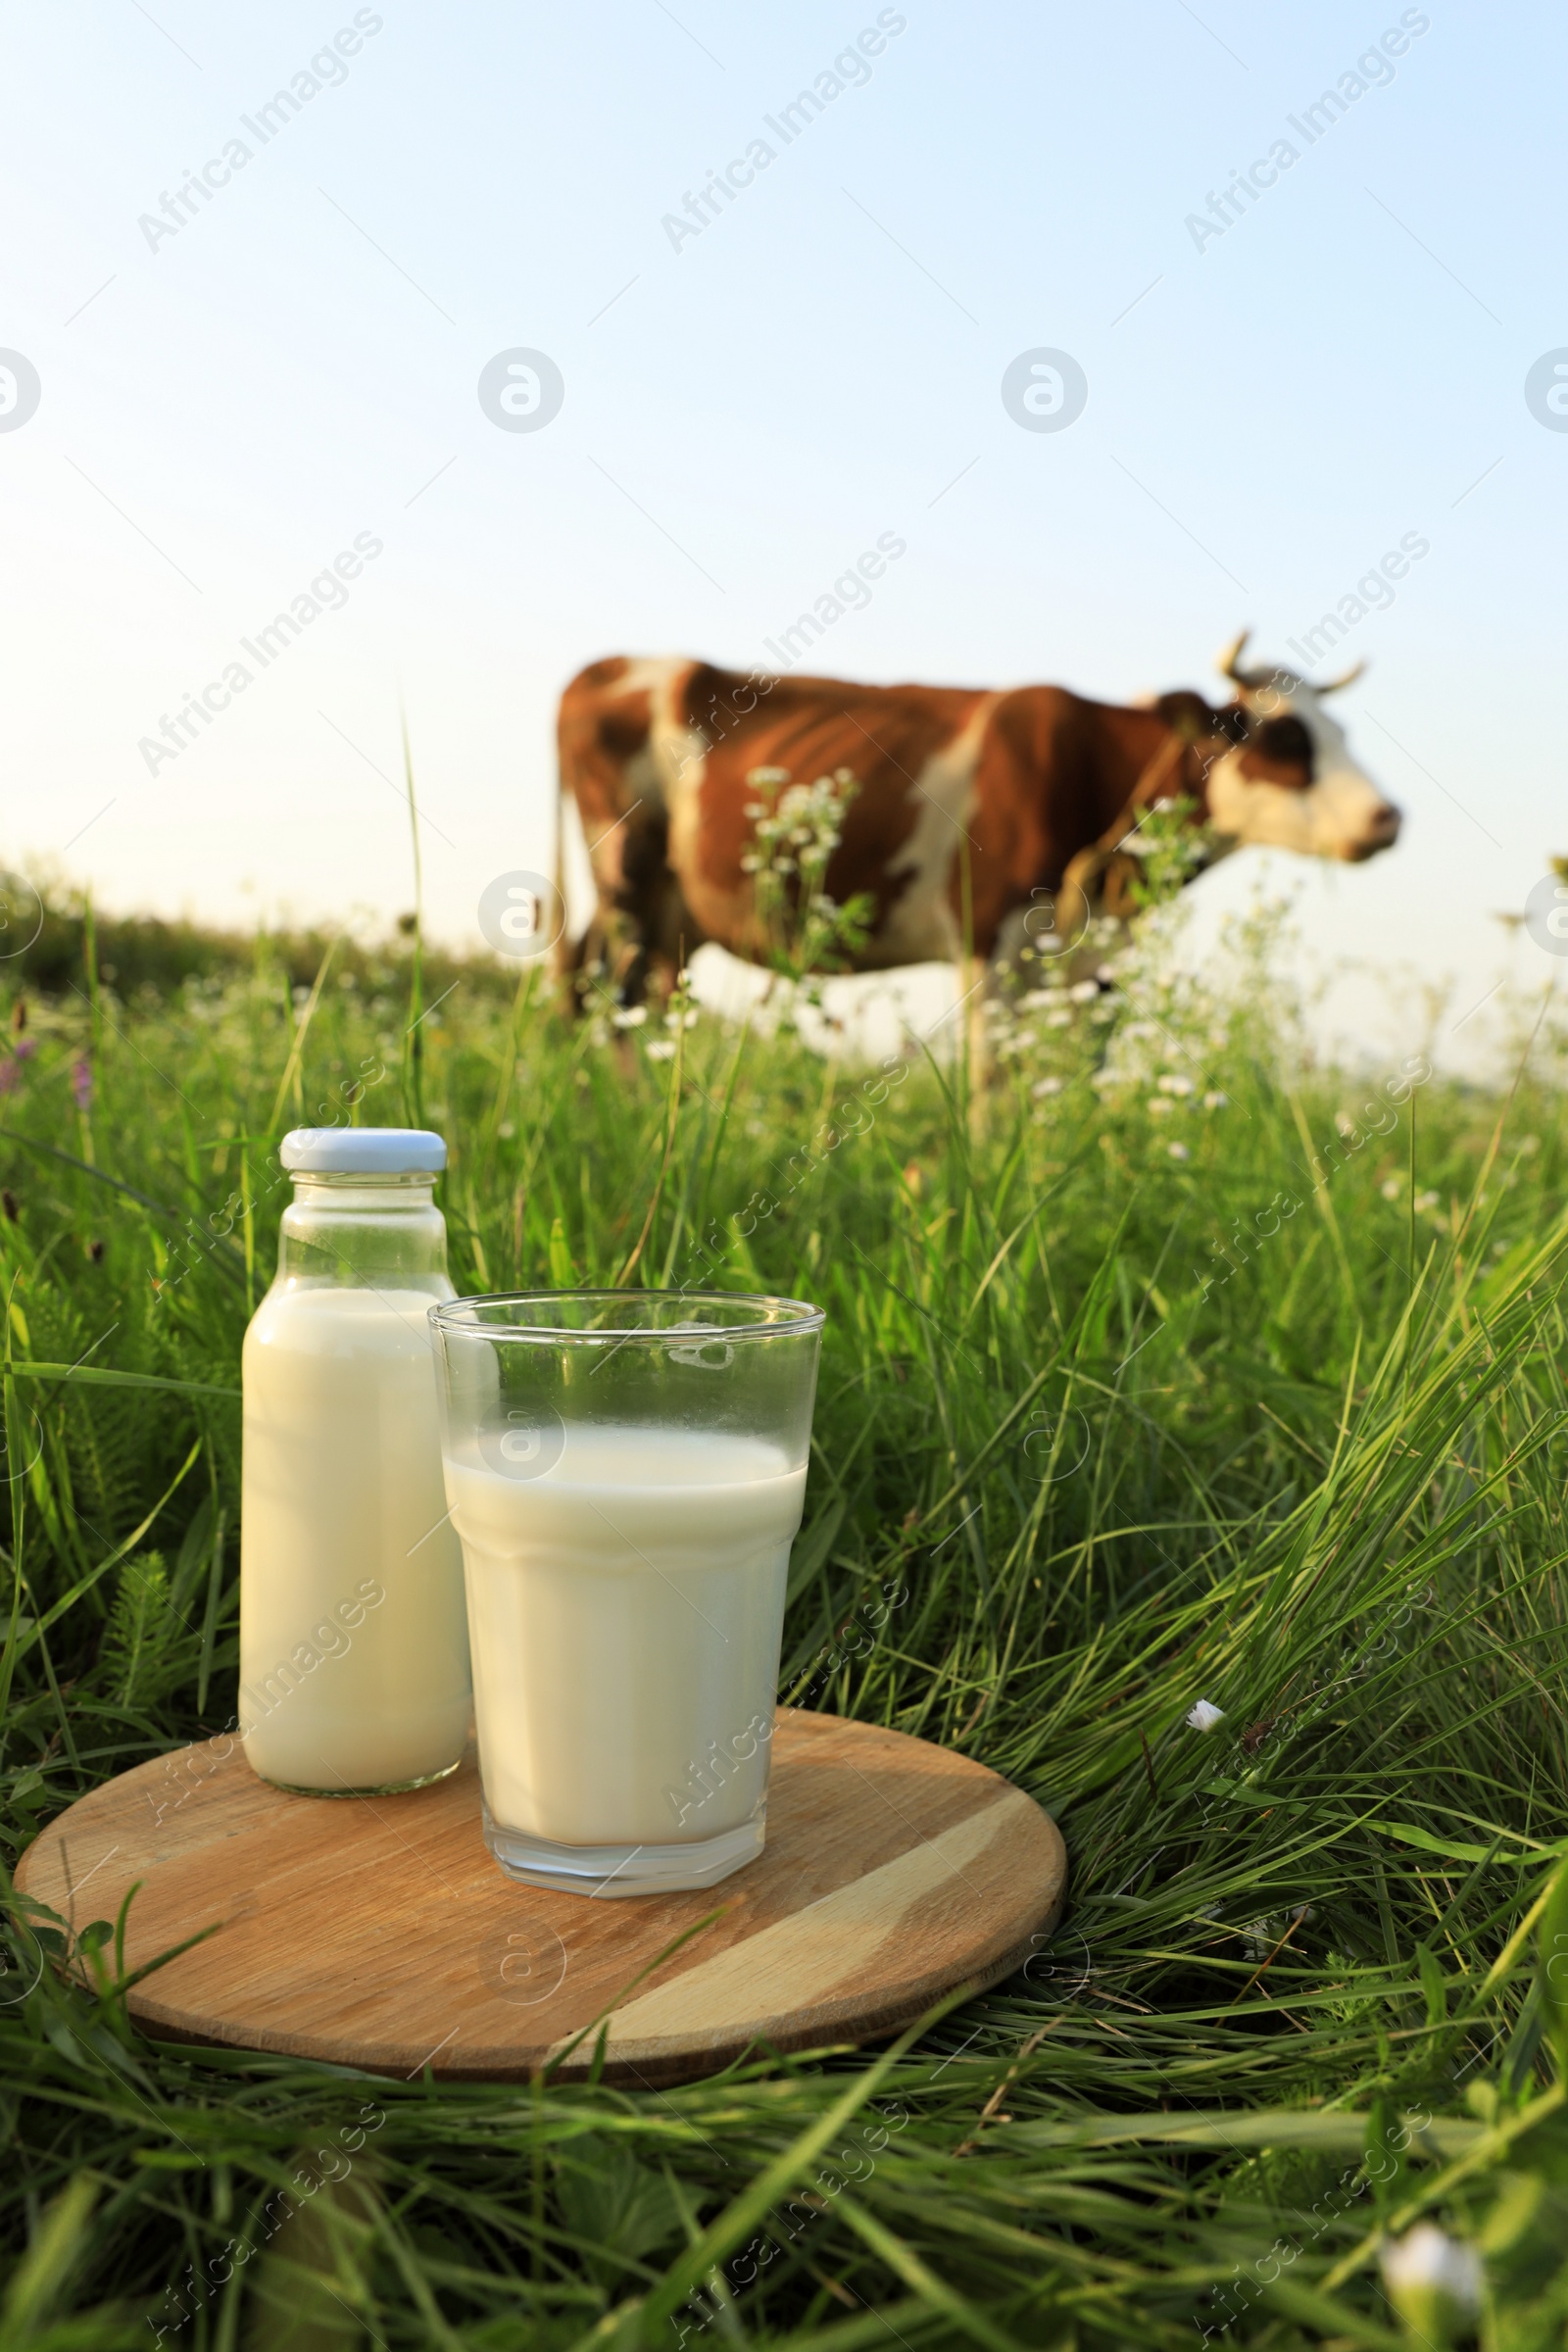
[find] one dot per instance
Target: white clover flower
(1177, 1151)
(629, 1016)
(1204, 1717)
(1215, 1100)
(1045, 1087)
(661, 1049)
(1427, 2263)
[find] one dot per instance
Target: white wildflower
(629, 1016)
(1204, 1717)
(1161, 1107)
(1215, 1100)
(1058, 1020)
(1170, 1083)
(1344, 1123)
(1390, 1188)
(1177, 1151)
(1044, 1087)
(682, 1020)
(1084, 992)
(661, 1050)
(1426, 1202)
(1432, 2280)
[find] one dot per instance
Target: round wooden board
(378, 1932)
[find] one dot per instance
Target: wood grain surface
(378, 1932)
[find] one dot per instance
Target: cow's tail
(559, 876)
(568, 953)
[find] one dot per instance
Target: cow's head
(1287, 781)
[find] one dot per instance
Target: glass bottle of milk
(354, 1651)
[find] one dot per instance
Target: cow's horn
(1229, 662)
(1333, 685)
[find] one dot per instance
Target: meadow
(1203, 1410)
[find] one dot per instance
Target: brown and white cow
(990, 796)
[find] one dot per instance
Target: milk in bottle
(354, 1658)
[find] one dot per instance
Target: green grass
(1295, 2001)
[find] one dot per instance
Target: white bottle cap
(362, 1151)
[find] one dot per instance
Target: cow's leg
(646, 884)
(642, 931)
(593, 971)
(570, 961)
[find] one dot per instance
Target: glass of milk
(626, 1470)
(353, 1652)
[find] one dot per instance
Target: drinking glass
(625, 1471)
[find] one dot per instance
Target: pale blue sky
(299, 365)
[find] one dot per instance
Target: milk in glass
(624, 1614)
(354, 1670)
